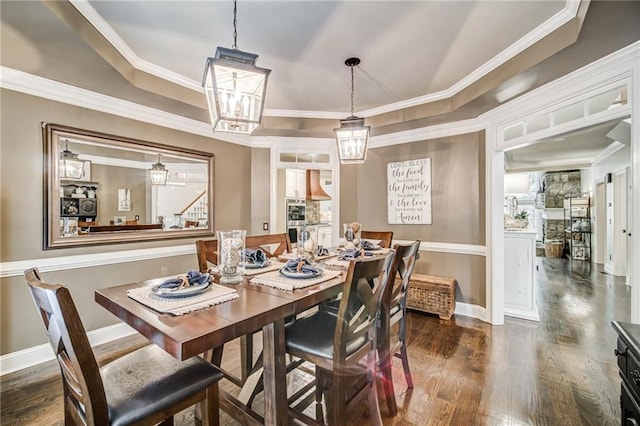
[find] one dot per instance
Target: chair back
(361, 297)
(191, 224)
(400, 273)
(85, 400)
(273, 245)
(207, 251)
(385, 237)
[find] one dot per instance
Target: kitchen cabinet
(324, 236)
(295, 183)
(519, 284)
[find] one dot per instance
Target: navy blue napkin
(255, 257)
(322, 251)
(194, 278)
(307, 268)
(367, 245)
(352, 254)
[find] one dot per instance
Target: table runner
(277, 280)
(215, 295)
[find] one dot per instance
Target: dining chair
(384, 237)
(191, 224)
(337, 344)
(392, 325)
(146, 386)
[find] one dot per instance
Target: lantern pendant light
(235, 88)
(352, 136)
(158, 173)
(72, 166)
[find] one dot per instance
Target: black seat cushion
(149, 380)
(314, 335)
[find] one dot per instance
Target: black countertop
(630, 333)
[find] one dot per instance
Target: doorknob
(624, 231)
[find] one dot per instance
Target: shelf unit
(78, 199)
(577, 227)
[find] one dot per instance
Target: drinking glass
(307, 241)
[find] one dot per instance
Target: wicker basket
(436, 295)
(553, 249)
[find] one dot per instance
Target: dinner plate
(192, 290)
(255, 265)
(288, 274)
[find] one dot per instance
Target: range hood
(314, 189)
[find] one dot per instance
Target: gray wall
(458, 200)
(21, 210)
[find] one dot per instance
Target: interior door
(620, 238)
(600, 221)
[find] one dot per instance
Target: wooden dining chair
(384, 237)
(207, 251)
(392, 339)
(146, 386)
(337, 344)
(191, 224)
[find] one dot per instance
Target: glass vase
(351, 233)
(307, 241)
(230, 248)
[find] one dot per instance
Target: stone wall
(553, 229)
(559, 184)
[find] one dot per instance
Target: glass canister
(352, 235)
(230, 248)
(307, 241)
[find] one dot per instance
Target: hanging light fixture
(72, 166)
(235, 88)
(353, 135)
(158, 173)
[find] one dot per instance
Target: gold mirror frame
(55, 139)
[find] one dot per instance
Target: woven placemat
(214, 295)
(277, 280)
(274, 266)
(289, 256)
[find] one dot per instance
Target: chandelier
(352, 136)
(235, 87)
(158, 173)
(72, 166)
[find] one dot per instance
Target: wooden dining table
(258, 307)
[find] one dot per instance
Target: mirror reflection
(103, 188)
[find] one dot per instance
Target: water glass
(230, 248)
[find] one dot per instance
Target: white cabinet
(324, 236)
(519, 284)
(295, 183)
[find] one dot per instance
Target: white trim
(454, 248)
(29, 357)
(614, 147)
(473, 311)
(426, 133)
(521, 314)
(64, 263)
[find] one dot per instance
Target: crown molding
(561, 18)
(614, 147)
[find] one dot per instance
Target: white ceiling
(436, 47)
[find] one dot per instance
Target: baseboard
(29, 357)
(473, 311)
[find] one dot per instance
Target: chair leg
(405, 365)
(337, 415)
(210, 407)
(374, 407)
(386, 360)
(246, 356)
(320, 387)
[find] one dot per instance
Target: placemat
(274, 266)
(337, 262)
(277, 280)
(289, 256)
(215, 295)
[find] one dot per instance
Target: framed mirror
(105, 189)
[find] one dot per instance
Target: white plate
(255, 265)
(192, 290)
(288, 274)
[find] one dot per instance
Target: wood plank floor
(560, 371)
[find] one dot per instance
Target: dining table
(258, 307)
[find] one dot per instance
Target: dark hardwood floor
(560, 371)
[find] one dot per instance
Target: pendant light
(235, 88)
(353, 135)
(158, 173)
(72, 166)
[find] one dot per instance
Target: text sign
(409, 192)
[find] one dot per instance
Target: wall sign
(409, 192)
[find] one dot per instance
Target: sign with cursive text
(409, 192)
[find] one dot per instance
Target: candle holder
(230, 248)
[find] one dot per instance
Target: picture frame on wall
(124, 199)
(119, 220)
